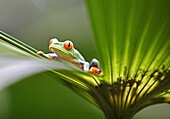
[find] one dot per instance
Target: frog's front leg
(85, 65)
(49, 55)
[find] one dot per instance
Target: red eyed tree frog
(66, 51)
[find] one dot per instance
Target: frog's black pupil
(68, 44)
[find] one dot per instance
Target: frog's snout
(51, 49)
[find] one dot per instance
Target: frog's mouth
(61, 52)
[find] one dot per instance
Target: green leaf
(131, 35)
(133, 42)
(18, 60)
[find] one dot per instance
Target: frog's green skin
(65, 54)
(73, 56)
(66, 51)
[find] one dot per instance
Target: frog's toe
(95, 70)
(40, 52)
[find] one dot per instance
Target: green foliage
(133, 41)
(135, 33)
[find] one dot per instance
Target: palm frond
(18, 60)
(133, 40)
(133, 37)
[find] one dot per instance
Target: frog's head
(64, 49)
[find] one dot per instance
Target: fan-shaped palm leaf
(136, 62)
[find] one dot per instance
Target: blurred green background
(42, 96)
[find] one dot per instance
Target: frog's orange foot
(95, 70)
(40, 52)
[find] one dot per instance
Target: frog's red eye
(68, 45)
(52, 41)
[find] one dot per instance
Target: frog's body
(66, 51)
